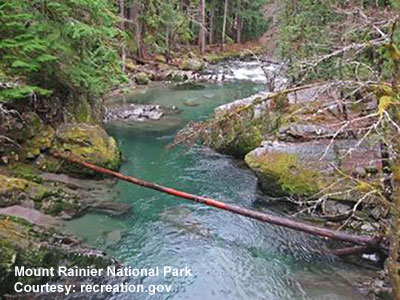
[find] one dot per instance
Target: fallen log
(350, 251)
(361, 240)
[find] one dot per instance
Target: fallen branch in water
(367, 242)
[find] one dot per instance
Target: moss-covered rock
(237, 140)
(20, 130)
(192, 64)
(15, 190)
(11, 190)
(23, 170)
(81, 110)
(90, 143)
(284, 173)
(23, 244)
(307, 168)
(142, 78)
(42, 141)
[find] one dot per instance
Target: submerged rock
(113, 237)
(133, 112)
(191, 103)
(90, 143)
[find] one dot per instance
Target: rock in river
(134, 112)
(90, 143)
(304, 169)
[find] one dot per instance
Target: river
(232, 257)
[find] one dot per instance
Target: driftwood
(366, 242)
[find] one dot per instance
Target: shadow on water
(231, 257)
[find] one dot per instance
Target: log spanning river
(229, 256)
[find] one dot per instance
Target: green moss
(142, 78)
(192, 64)
(23, 244)
(25, 128)
(237, 136)
(40, 142)
(48, 163)
(83, 112)
(89, 143)
(25, 171)
(8, 184)
(239, 142)
(283, 174)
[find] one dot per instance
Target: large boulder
(90, 143)
(306, 168)
(238, 128)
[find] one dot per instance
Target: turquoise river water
(231, 257)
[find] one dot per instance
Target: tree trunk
(224, 25)
(239, 30)
(362, 240)
(135, 14)
(211, 28)
(122, 15)
(238, 21)
(202, 34)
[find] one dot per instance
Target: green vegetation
(309, 30)
(53, 48)
(285, 174)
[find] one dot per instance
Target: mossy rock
(25, 128)
(40, 142)
(192, 64)
(15, 190)
(90, 143)
(237, 136)
(142, 78)
(12, 190)
(24, 244)
(23, 170)
(238, 142)
(79, 110)
(283, 174)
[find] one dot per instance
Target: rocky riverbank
(38, 191)
(310, 151)
(299, 148)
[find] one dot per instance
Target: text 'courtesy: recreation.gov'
(98, 279)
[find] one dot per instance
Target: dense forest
(320, 131)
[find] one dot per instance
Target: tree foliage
(50, 47)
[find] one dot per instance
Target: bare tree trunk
(122, 15)
(202, 34)
(211, 28)
(238, 21)
(136, 10)
(224, 25)
(239, 30)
